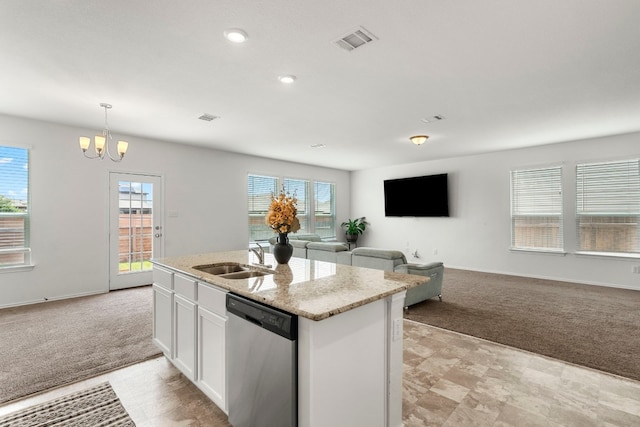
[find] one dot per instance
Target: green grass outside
(135, 266)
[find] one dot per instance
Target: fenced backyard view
(135, 242)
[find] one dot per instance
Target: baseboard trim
(58, 298)
(555, 279)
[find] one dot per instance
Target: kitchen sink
(244, 274)
(222, 268)
(231, 270)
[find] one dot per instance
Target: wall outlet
(397, 329)
(635, 269)
(435, 251)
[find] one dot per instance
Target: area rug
(59, 342)
(593, 326)
(96, 406)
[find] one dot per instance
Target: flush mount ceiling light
(101, 142)
(236, 35)
(287, 78)
(419, 139)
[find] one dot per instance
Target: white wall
(69, 203)
(477, 235)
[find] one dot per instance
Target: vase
(282, 250)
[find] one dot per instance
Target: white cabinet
(162, 323)
(163, 310)
(189, 326)
(212, 329)
(184, 326)
(211, 376)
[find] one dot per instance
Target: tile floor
(449, 380)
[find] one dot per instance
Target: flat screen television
(417, 196)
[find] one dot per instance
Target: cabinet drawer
(212, 299)
(185, 286)
(162, 277)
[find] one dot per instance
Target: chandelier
(101, 142)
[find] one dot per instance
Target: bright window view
(325, 211)
(608, 207)
(135, 247)
(300, 189)
(14, 206)
(536, 209)
(317, 197)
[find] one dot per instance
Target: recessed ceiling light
(287, 78)
(236, 35)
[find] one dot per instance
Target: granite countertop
(312, 289)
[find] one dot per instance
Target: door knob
(158, 234)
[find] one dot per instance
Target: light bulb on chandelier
(101, 142)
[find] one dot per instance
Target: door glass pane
(136, 226)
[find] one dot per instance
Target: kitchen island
(349, 330)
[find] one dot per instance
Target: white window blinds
(325, 210)
(608, 206)
(300, 188)
(536, 209)
(14, 207)
(259, 191)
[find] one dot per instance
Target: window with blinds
(300, 189)
(313, 197)
(259, 191)
(536, 209)
(608, 207)
(14, 207)
(325, 210)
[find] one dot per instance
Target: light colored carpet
(59, 342)
(96, 406)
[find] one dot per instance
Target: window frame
(605, 181)
(25, 249)
(332, 209)
(525, 206)
(303, 204)
(310, 204)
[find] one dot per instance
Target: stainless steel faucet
(259, 252)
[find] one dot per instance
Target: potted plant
(354, 227)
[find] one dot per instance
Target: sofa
(311, 246)
(390, 260)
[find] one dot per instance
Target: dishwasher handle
(252, 320)
(266, 317)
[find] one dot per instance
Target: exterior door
(135, 217)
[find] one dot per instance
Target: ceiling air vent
(354, 39)
(433, 119)
(208, 117)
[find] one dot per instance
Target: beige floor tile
(449, 380)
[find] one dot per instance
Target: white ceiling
(504, 73)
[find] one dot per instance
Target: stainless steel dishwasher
(262, 364)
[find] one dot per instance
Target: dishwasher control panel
(277, 321)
